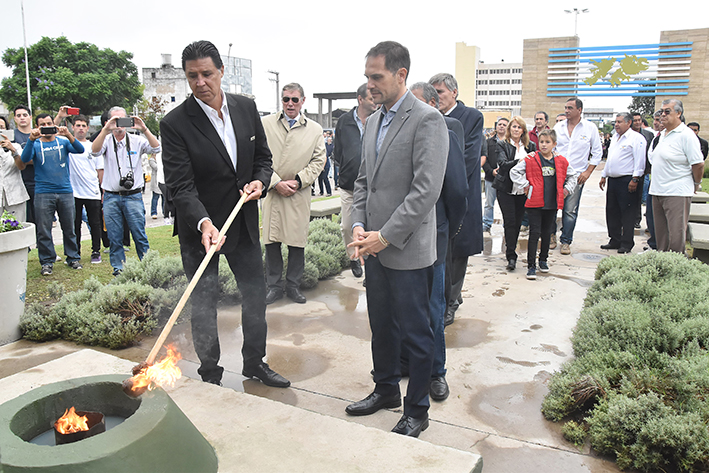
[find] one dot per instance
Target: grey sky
(322, 44)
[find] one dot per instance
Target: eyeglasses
(287, 99)
(666, 111)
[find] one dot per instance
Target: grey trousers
(671, 215)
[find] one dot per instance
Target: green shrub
(639, 384)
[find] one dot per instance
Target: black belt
(125, 193)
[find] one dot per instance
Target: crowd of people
(407, 161)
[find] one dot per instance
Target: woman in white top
(12, 189)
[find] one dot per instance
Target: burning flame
(163, 373)
(70, 422)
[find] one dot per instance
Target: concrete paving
(510, 334)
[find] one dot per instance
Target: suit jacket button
(374, 190)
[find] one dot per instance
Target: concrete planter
(13, 279)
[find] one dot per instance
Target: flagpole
(27, 65)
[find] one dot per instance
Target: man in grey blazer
(404, 155)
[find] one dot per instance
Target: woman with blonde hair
(515, 147)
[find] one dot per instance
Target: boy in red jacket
(547, 180)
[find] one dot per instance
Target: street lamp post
(278, 92)
(576, 12)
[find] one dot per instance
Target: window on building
(172, 99)
(516, 81)
(152, 75)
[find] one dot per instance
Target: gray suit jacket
(396, 194)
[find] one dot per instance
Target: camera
(127, 181)
(125, 122)
(48, 130)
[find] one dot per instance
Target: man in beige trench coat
(298, 159)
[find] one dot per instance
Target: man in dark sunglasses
(298, 159)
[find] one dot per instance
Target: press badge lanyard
(44, 160)
(115, 152)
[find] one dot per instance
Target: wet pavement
(509, 335)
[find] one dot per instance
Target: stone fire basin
(156, 435)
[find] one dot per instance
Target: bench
(324, 208)
(698, 235)
(699, 213)
(700, 198)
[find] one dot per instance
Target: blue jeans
(115, 207)
(154, 204)
(437, 308)
(489, 212)
(569, 215)
(44, 207)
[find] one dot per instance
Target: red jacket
(536, 180)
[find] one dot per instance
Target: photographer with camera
(53, 191)
(123, 181)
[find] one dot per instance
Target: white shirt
(451, 109)
(626, 155)
(111, 174)
(223, 126)
(584, 141)
(83, 173)
(672, 161)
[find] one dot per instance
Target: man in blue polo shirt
(53, 191)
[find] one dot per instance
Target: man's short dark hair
(546, 116)
(41, 115)
(22, 107)
(80, 118)
(200, 50)
(637, 114)
(693, 124)
(362, 91)
(577, 101)
(645, 122)
(395, 55)
(501, 118)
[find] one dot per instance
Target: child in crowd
(547, 180)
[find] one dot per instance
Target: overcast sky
(322, 45)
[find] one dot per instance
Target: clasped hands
(210, 233)
(365, 243)
(287, 188)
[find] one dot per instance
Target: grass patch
(38, 286)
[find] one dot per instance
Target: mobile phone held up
(125, 122)
(72, 111)
(48, 130)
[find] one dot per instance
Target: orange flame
(70, 422)
(163, 373)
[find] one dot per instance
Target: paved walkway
(510, 334)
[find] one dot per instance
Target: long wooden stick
(195, 279)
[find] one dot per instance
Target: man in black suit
(469, 241)
(703, 144)
(214, 149)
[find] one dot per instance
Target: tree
(64, 73)
(644, 105)
(151, 111)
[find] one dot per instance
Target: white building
(499, 87)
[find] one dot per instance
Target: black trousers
(274, 266)
(246, 264)
(94, 213)
(621, 210)
(512, 207)
(541, 223)
(455, 276)
(398, 307)
(169, 206)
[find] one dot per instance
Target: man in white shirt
(578, 142)
(624, 169)
(677, 170)
(86, 174)
(123, 182)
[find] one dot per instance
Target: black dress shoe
(216, 381)
(266, 375)
(511, 264)
(623, 250)
(411, 426)
(449, 317)
(273, 295)
(439, 389)
(608, 246)
(372, 403)
(356, 268)
(295, 295)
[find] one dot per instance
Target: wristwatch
(635, 179)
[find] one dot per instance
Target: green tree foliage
(151, 111)
(640, 382)
(63, 73)
(643, 105)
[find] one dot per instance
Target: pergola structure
(327, 122)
